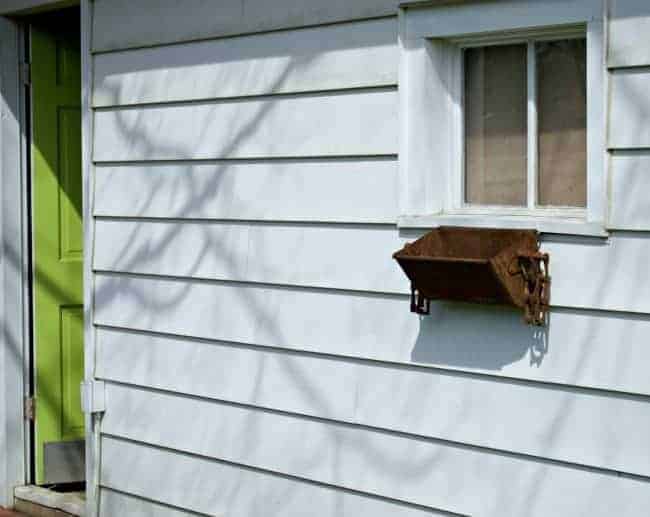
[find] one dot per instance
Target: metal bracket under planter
(481, 265)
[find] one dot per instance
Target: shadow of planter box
(481, 265)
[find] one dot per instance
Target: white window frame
(432, 120)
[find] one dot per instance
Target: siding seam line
(249, 160)
(352, 158)
(632, 69)
(240, 99)
(155, 501)
(248, 283)
(628, 151)
(300, 223)
(359, 222)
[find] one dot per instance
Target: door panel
(58, 239)
(71, 236)
(72, 364)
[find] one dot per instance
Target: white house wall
(311, 59)
(260, 251)
(629, 105)
(145, 470)
(629, 33)
(629, 183)
(255, 332)
(122, 24)
(318, 190)
(403, 468)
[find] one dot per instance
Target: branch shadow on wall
(329, 454)
(458, 335)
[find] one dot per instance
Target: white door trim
(14, 273)
(92, 420)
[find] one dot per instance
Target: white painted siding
(221, 488)
(355, 257)
(118, 503)
(444, 406)
(254, 331)
(348, 190)
(602, 351)
(630, 185)
(468, 481)
(313, 59)
(629, 110)
(120, 24)
(268, 128)
(629, 33)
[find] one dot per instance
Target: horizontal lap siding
(217, 488)
(629, 33)
(630, 185)
(117, 503)
(416, 471)
(353, 257)
(556, 423)
(629, 142)
(587, 273)
(592, 349)
(119, 24)
(629, 110)
(224, 279)
(331, 190)
(301, 156)
(314, 59)
(358, 123)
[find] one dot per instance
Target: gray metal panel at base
(65, 462)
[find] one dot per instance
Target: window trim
(431, 148)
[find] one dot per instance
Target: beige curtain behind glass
(562, 122)
(495, 125)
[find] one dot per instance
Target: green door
(58, 239)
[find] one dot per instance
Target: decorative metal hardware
(534, 268)
(480, 265)
(30, 409)
(420, 304)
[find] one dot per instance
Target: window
(502, 116)
(525, 119)
(495, 125)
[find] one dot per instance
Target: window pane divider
(532, 140)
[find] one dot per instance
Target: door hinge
(30, 408)
(26, 73)
(93, 396)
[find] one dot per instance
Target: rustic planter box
(480, 265)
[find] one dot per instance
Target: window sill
(541, 224)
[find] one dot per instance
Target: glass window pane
(495, 125)
(562, 122)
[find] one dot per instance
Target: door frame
(15, 355)
(16, 455)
